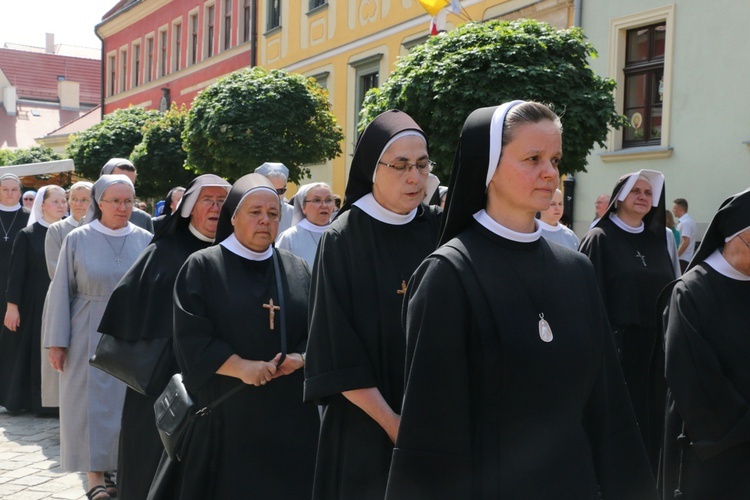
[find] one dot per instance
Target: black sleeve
(18, 272)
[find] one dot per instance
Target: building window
(162, 53)
(176, 46)
(123, 70)
(193, 38)
(367, 76)
(136, 64)
(644, 85)
(274, 14)
(227, 24)
(246, 20)
(209, 31)
(147, 74)
(112, 65)
(314, 4)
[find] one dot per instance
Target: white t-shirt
(688, 229)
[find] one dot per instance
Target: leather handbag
(145, 365)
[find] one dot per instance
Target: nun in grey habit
(92, 260)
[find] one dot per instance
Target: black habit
(20, 351)
(141, 308)
(12, 223)
(261, 442)
(493, 411)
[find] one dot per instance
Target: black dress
(260, 443)
(356, 342)
(20, 351)
(493, 411)
(12, 222)
(630, 290)
(707, 369)
(141, 307)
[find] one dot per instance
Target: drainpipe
(254, 36)
(577, 12)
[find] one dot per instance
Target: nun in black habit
(511, 392)
(355, 362)
(141, 309)
(260, 443)
(707, 434)
(628, 247)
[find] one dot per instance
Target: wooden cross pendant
(403, 288)
(271, 312)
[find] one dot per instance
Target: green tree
(114, 137)
(253, 116)
(484, 64)
(34, 154)
(6, 156)
(160, 157)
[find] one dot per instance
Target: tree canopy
(160, 157)
(485, 64)
(34, 154)
(114, 137)
(253, 116)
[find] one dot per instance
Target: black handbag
(145, 365)
(175, 410)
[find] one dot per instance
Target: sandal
(109, 483)
(98, 492)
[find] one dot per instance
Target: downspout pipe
(577, 12)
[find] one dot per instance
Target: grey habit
(87, 272)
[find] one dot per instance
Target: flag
(437, 23)
(434, 6)
(455, 7)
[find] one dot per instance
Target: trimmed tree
(114, 137)
(253, 116)
(484, 64)
(160, 157)
(34, 154)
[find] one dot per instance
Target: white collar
(625, 227)
(371, 207)
(6, 208)
(232, 244)
(123, 231)
(717, 261)
(309, 226)
(549, 227)
(484, 219)
(43, 223)
(198, 234)
(72, 221)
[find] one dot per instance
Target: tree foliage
(34, 154)
(484, 64)
(253, 116)
(114, 137)
(160, 157)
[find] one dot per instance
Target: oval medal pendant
(545, 332)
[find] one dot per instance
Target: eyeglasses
(281, 191)
(320, 201)
(28, 199)
(118, 203)
(743, 241)
(423, 167)
(210, 202)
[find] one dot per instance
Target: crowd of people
(415, 341)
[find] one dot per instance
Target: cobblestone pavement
(30, 460)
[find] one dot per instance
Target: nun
(93, 258)
(240, 317)
(356, 349)
(313, 207)
(141, 309)
(13, 218)
(629, 250)
(20, 340)
(121, 166)
(511, 392)
(278, 174)
(707, 433)
(79, 199)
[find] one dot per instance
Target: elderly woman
(79, 199)
(20, 341)
(552, 229)
(356, 350)
(241, 318)
(707, 438)
(141, 308)
(313, 207)
(629, 250)
(511, 393)
(93, 258)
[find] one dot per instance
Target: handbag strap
(216, 402)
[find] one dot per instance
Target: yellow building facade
(349, 46)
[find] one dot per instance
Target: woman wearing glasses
(20, 341)
(356, 350)
(313, 207)
(92, 260)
